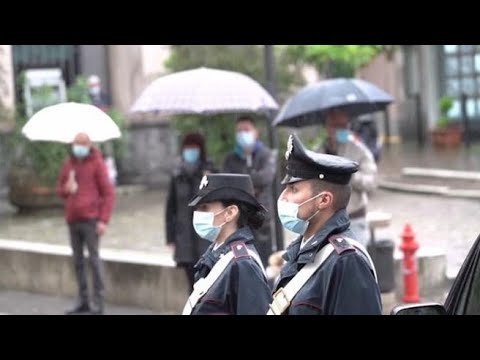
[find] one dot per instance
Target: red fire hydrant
(409, 246)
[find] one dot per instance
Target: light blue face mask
(288, 214)
(80, 151)
(342, 135)
(246, 139)
(191, 155)
(203, 225)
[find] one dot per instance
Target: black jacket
(241, 289)
(178, 215)
(344, 283)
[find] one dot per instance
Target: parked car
(463, 297)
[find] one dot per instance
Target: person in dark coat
(184, 182)
(313, 205)
(226, 210)
(253, 158)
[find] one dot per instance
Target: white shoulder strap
(283, 296)
(201, 287)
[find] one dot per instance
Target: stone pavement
(25, 303)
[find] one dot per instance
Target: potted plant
(447, 133)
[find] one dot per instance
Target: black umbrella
(464, 296)
(309, 105)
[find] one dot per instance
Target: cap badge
(203, 183)
(289, 147)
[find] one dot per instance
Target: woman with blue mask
(230, 278)
(186, 245)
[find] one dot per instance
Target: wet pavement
(26, 303)
(137, 224)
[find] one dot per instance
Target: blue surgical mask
(203, 225)
(342, 135)
(246, 139)
(191, 155)
(80, 151)
(288, 214)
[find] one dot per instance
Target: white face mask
(288, 214)
(203, 224)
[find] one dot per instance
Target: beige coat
(365, 179)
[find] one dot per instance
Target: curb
(429, 189)
(441, 173)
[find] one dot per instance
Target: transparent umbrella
(63, 121)
(204, 91)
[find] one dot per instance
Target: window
(461, 70)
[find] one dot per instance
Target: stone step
(144, 279)
(428, 186)
(441, 173)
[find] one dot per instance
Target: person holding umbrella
(342, 141)
(334, 102)
(89, 197)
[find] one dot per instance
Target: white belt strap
(201, 287)
(283, 296)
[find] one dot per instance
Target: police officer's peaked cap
(303, 164)
(218, 187)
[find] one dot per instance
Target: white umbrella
(204, 91)
(63, 121)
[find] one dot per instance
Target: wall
(151, 142)
(132, 68)
(93, 61)
(387, 73)
(7, 93)
(7, 98)
(150, 155)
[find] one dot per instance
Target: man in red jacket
(88, 197)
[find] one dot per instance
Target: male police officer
(327, 271)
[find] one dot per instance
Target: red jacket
(95, 195)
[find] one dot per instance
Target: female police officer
(230, 278)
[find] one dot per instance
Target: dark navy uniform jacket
(344, 283)
(242, 289)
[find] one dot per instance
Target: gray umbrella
(309, 105)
